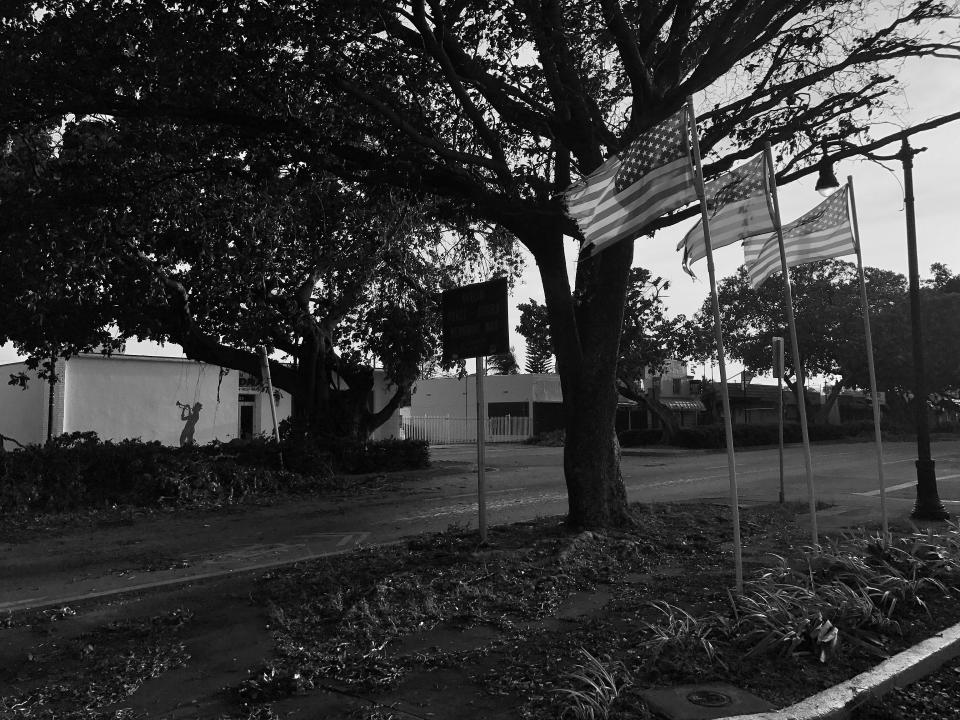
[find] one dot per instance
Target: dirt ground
(434, 628)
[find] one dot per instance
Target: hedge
(78, 470)
(714, 436)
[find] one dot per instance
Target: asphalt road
(847, 472)
(523, 482)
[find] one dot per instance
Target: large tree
(134, 228)
(648, 339)
(893, 346)
(826, 300)
(495, 108)
(830, 328)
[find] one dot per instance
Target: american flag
(738, 206)
(822, 233)
(621, 197)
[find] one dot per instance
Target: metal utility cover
(703, 702)
(474, 320)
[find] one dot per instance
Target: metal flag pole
(795, 349)
(874, 395)
(718, 332)
(778, 371)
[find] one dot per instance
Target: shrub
(78, 470)
(639, 438)
(372, 456)
(701, 436)
(552, 438)
(714, 436)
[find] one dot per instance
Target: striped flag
(822, 233)
(739, 207)
(621, 197)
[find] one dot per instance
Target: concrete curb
(895, 672)
(32, 604)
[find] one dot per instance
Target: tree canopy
(490, 109)
(223, 248)
(535, 328)
(830, 330)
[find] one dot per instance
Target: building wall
(127, 396)
(262, 417)
(383, 392)
(23, 413)
(284, 408)
(134, 396)
(457, 397)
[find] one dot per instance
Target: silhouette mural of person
(189, 416)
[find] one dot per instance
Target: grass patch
(76, 678)
(808, 619)
(540, 623)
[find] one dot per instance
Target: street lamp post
(928, 505)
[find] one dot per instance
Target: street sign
(474, 320)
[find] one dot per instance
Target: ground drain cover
(703, 702)
(709, 698)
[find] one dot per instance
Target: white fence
(449, 430)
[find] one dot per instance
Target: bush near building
(714, 436)
(78, 470)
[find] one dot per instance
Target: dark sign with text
(475, 320)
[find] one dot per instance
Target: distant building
(151, 398)
(674, 387)
(854, 406)
(444, 410)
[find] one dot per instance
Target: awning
(547, 391)
(677, 405)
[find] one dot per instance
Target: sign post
(475, 324)
(481, 451)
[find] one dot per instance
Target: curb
(902, 669)
(32, 604)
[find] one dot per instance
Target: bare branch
(639, 75)
(473, 112)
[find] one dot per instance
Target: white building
(444, 410)
(151, 398)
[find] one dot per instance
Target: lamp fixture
(827, 181)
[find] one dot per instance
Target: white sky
(932, 88)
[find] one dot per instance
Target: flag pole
(874, 395)
(724, 395)
(795, 349)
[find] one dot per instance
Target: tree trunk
(596, 495)
(668, 419)
(586, 335)
(794, 387)
(318, 409)
(824, 415)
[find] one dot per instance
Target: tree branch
(469, 107)
(637, 72)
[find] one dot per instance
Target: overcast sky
(932, 88)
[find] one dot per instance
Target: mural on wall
(190, 416)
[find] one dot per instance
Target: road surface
(523, 482)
